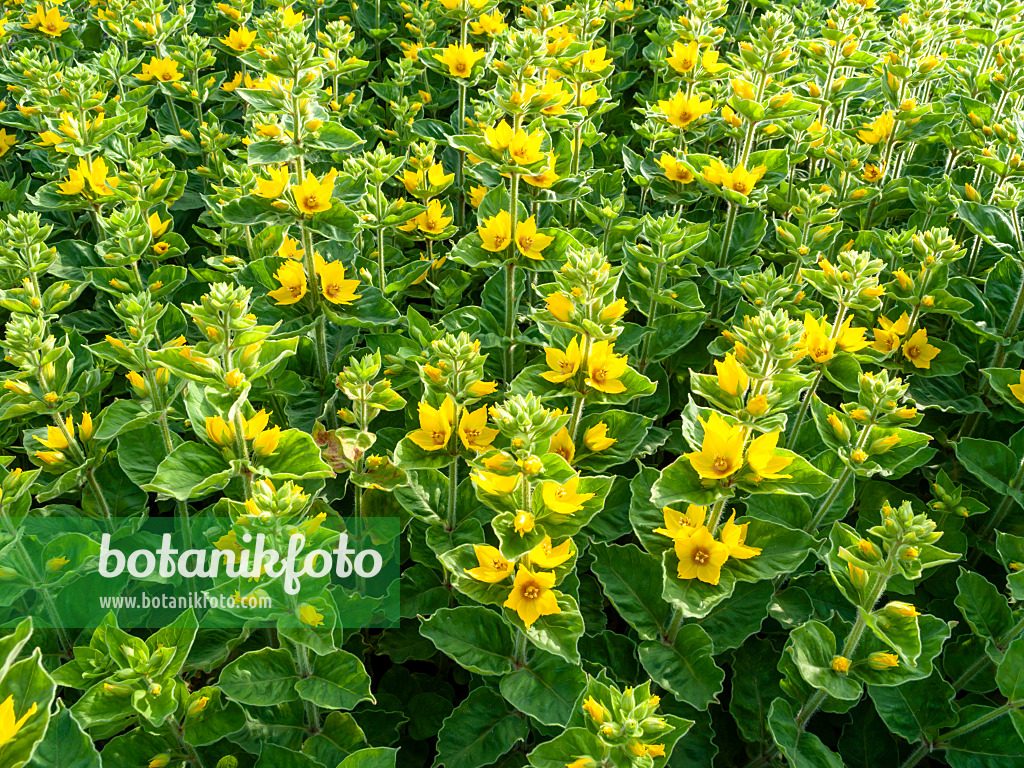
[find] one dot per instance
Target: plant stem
(802, 413)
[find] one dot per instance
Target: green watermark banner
(254, 571)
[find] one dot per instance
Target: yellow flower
(476, 195)
(881, 661)
(292, 277)
(496, 485)
(84, 427)
(878, 130)
(684, 57)
(55, 439)
(493, 565)
(52, 458)
(564, 498)
(156, 226)
(674, 170)
(274, 187)
(561, 443)
(531, 596)
(1017, 390)
(525, 148)
(499, 137)
(816, 341)
(762, 458)
(219, 431)
(56, 564)
(546, 177)
(435, 425)
(739, 179)
(594, 61)
(50, 22)
(239, 39)
(483, 388)
(333, 285)
(851, 339)
(94, 174)
(732, 379)
(265, 443)
(681, 110)
(563, 365)
(496, 232)
(492, 24)
(473, 430)
(840, 664)
(164, 70)
(9, 726)
(721, 451)
(595, 710)
(312, 196)
(7, 141)
(918, 351)
(460, 59)
(604, 368)
(228, 86)
(436, 176)
(596, 438)
(710, 62)
(433, 220)
(872, 173)
(733, 537)
(529, 241)
(743, 89)
(544, 555)
(682, 525)
(613, 311)
(560, 306)
(701, 557)
(310, 615)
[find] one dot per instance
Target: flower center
(531, 593)
(311, 201)
(913, 352)
(440, 438)
(700, 556)
(721, 463)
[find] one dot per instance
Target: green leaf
(339, 681)
(263, 678)
(191, 471)
(985, 610)
(994, 744)
(339, 737)
(28, 685)
(477, 638)
(479, 731)
(812, 648)
(276, 756)
(558, 633)
(1010, 672)
(547, 688)
(371, 757)
(297, 457)
(801, 749)
(566, 748)
(754, 681)
(739, 616)
(685, 667)
(632, 581)
(65, 745)
(917, 708)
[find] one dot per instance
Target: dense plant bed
(644, 378)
